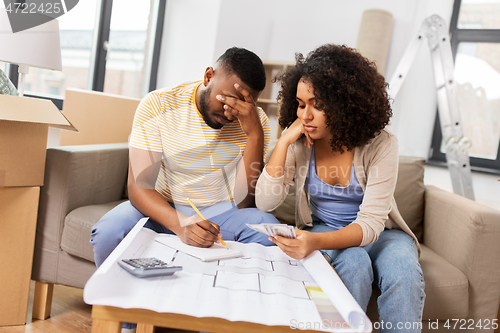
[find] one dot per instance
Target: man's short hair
(246, 65)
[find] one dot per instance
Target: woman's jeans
(392, 263)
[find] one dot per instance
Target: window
(475, 41)
(76, 29)
(106, 45)
(127, 49)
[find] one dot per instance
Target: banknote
(269, 229)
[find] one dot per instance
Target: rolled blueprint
(337, 292)
(374, 37)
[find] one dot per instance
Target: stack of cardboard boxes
(24, 125)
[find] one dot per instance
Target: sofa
(81, 184)
(460, 238)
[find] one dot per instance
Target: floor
(69, 315)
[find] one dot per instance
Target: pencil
(200, 215)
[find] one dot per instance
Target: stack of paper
(215, 252)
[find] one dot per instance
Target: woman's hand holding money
(299, 247)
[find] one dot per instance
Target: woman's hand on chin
(297, 248)
(294, 132)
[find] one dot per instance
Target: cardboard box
(24, 124)
(99, 117)
(18, 213)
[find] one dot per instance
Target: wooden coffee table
(107, 319)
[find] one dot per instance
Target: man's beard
(204, 99)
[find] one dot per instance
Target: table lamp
(39, 47)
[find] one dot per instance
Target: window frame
(436, 157)
(97, 70)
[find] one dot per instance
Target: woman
(344, 163)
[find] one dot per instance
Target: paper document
(263, 286)
(215, 252)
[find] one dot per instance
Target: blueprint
(263, 286)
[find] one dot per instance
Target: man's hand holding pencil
(201, 232)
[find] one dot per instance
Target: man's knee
(245, 234)
(105, 237)
(255, 216)
(106, 231)
(118, 221)
(109, 231)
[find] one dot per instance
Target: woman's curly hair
(348, 89)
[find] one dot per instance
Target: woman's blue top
(337, 206)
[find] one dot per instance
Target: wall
(187, 47)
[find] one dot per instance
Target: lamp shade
(39, 46)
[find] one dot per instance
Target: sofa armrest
(75, 176)
(467, 235)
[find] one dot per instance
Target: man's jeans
(392, 262)
(116, 224)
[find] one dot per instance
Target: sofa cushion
(409, 192)
(75, 238)
(446, 287)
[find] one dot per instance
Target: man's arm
(250, 168)
(144, 167)
(248, 116)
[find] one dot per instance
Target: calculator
(146, 267)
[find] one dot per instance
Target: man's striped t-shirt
(198, 162)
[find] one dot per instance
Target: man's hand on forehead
(244, 109)
(240, 101)
(238, 93)
(234, 94)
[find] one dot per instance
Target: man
(201, 140)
